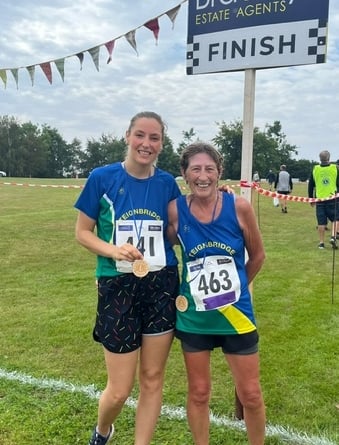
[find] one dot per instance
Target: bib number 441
(141, 246)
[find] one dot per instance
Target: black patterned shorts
(129, 307)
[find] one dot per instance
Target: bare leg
(120, 379)
(153, 356)
(321, 232)
(245, 371)
(199, 389)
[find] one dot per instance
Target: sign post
(248, 127)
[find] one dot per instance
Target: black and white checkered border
(320, 35)
(192, 61)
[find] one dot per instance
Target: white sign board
(233, 35)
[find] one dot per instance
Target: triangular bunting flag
(14, 71)
(31, 72)
(153, 25)
(130, 37)
(60, 64)
(80, 56)
(46, 68)
(110, 46)
(172, 14)
(3, 75)
(94, 52)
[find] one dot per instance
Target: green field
(52, 371)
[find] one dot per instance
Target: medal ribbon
(197, 221)
(138, 230)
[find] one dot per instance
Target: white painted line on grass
(179, 413)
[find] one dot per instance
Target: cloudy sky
(89, 103)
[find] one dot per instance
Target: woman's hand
(226, 188)
(126, 252)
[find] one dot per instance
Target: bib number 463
(215, 283)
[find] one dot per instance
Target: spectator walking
(270, 178)
(256, 176)
(283, 185)
(324, 183)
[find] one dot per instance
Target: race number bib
(214, 282)
(147, 236)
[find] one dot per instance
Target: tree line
(32, 150)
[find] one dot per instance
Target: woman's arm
(252, 236)
(172, 222)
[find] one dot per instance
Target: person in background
(122, 219)
(214, 308)
(283, 185)
(324, 183)
(270, 178)
(337, 228)
(256, 176)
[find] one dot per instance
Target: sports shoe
(98, 439)
(333, 242)
(321, 246)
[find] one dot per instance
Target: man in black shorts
(323, 184)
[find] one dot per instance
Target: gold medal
(181, 303)
(140, 268)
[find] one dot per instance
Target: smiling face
(202, 175)
(144, 141)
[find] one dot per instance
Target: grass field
(51, 371)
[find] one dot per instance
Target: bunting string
(94, 52)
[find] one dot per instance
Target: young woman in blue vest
(122, 220)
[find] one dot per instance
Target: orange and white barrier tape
(249, 184)
(270, 194)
